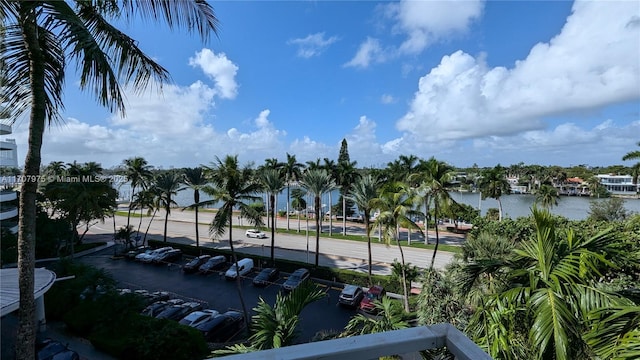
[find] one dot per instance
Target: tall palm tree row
(317, 182)
(235, 187)
(39, 38)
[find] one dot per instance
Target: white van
(244, 265)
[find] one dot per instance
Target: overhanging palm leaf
(39, 36)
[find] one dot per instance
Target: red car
(374, 293)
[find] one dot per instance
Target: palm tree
(196, 180)
(547, 196)
(298, 202)
(363, 192)
(494, 184)
(330, 167)
(275, 327)
(433, 178)
(292, 171)
(634, 155)
(39, 38)
(167, 185)
(395, 202)
(347, 175)
(390, 317)
(148, 199)
(552, 286)
(138, 172)
(272, 183)
(235, 187)
(317, 182)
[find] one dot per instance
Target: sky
(468, 82)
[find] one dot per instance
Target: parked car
(374, 293)
(193, 265)
(167, 257)
(351, 295)
(223, 327)
(213, 264)
(50, 349)
(255, 233)
(158, 306)
(266, 276)
(295, 279)
(148, 257)
(197, 317)
(244, 266)
(131, 254)
(142, 254)
(177, 312)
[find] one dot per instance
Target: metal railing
(406, 342)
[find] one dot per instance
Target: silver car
(255, 233)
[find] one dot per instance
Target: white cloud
(368, 52)
(387, 99)
(220, 69)
(425, 22)
(313, 44)
(593, 62)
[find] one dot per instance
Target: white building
(8, 197)
(619, 184)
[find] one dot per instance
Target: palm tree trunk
(426, 221)
(366, 228)
(435, 250)
(133, 188)
(499, 209)
(288, 201)
(166, 220)
(144, 240)
(330, 216)
(344, 216)
(404, 277)
(272, 200)
(235, 261)
(26, 336)
(196, 200)
(317, 208)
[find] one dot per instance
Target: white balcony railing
(406, 342)
(8, 196)
(8, 213)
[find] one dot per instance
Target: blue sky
(544, 82)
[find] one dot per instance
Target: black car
(295, 279)
(167, 257)
(55, 350)
(213, 264)
(193, 265)
(266, 276)
(158, 306)
(223, 327)
(177, 312)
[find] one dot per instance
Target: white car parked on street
(255, 233)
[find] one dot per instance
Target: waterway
(513, 206)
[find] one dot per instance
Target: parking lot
(218, 293)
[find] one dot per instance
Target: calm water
(571, 207)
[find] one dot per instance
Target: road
(333, 252)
